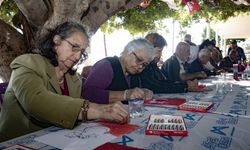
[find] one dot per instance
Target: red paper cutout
(119, 129)
(114, 146)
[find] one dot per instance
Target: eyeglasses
(76, 49)
(139, 61)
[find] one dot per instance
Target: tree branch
(64, 10)
(1, 2)
(101, 11)
(36, 11)
(11, 45)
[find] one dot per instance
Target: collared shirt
(182, 70)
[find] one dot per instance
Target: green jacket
(33, 99)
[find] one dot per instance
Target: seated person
(215, 59)
(152, 78)
(194, 49)
(109, 79)
(44, 90)
(228, 61)
(173, 68)
(206, 44)
(198, 65)
(240, 54)
(212, 64)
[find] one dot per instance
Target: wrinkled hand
(115, 112)
(148, 94)
(193, 88)
(193, 83)
(201, 74)
(135, 93)
(139, 93)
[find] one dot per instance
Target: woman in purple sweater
(109, 79)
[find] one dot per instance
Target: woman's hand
(148, 93)
(139, 93)
(115, 112)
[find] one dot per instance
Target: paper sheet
(85, 136)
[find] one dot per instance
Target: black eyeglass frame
(76, 48)
(139, 60)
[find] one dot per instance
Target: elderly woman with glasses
(44, 89)
(152, 77)
(109, 79)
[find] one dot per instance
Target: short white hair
(204, 52)
(141, 44)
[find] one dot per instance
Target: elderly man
(239, 51)
(194, 49)
(173, 68)
(199, 64)
(212, 64)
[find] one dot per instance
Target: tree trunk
(1, 2)
(11, 45)
(38, 17)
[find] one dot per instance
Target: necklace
(61, 81)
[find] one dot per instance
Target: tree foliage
(136, 20)
(7, 10)
(150, 19)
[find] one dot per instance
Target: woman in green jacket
(44, 89)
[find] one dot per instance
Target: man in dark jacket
(174, 67)
(152, 77)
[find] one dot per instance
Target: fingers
(121, 113)
(148, 93)
(140, 93)
(136, 93)
(116, 112)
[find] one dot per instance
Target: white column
(224, 47)
(216, 38)
(173, 50)
(208, 30)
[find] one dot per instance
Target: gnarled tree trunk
(37, 17)
(11, 45)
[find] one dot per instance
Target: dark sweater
(152, 78)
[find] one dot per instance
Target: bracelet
(84, 110)
(125, 94)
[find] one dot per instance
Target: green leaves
(7, 10)
(136, 20)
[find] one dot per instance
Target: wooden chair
(3, 87)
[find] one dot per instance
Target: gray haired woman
(44, 89)
(109, 79)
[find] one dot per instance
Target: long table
(225, 126)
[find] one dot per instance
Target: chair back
(85, 72)
(3, 87)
